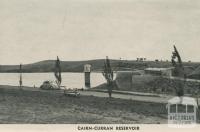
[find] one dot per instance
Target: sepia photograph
(100, 62)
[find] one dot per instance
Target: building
(159, 71)
(87, 70)
(182, 111)
(141, 59)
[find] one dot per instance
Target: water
(70, 80)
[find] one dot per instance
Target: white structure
(87, 68)
(182, 111)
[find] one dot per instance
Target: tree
(20, 76)
(178, 71)
(57, 72)
(108, 74)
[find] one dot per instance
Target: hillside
(97, 65)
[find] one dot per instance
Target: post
(87, 70)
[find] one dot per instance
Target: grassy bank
(154, 84)
(21, 106)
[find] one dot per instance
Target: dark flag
(57, 72)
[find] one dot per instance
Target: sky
(35, 30)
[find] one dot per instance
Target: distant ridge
(97, 65)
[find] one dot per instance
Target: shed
(182, 110)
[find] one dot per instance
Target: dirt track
(163, 99)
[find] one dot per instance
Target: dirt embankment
(20, 106)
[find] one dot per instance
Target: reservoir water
(70, 80)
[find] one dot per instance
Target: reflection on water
(70, 80)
